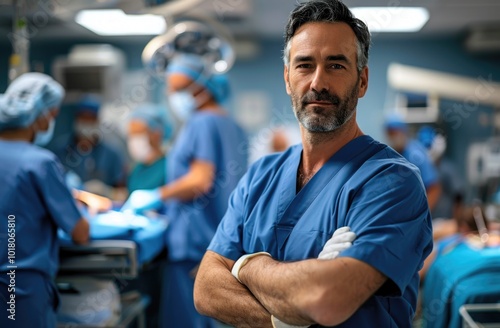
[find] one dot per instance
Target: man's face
(322, 77)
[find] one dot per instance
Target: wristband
(242, 261)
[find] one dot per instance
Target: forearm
(219, 295)
(433, 194)
(278, 287)
(326, 292)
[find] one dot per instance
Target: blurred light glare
(116, 22)
(392, 19)
(220, 66)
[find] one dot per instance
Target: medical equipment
(483, 161)
(91, 68)
(480, 315)
(192, 37)
(120, 245)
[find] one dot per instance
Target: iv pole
(19, 60)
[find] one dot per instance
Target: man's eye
(337, 66)
(304, 66)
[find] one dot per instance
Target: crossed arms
(326, 292)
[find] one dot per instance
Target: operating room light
(392, 19)
(116, 22)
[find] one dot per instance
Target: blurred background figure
(273, 139)
(99, 164)
(148, 130)
(398, 138)
(452, 195)
(34, 201)
(204, 165)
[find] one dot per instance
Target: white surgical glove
(280, 324)
(341, 240)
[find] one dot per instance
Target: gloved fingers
(337, 247)
(341, 230)
(325, 255)
(345, 237)
(277, 323)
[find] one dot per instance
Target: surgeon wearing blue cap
(148, 130)
(398, 138)
(99, 164)
(206, 161)
(34, 203)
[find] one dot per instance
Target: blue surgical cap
(395, 121)
(28, 97)
(154, 116)
(89, 103)
(426, 135)
(193, 66)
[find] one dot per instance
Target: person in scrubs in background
(451, 200)
(260, 269)
(99, 164)
(34, 202)
(147, 132)
(397, 133)
(206, 161)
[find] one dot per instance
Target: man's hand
(341, 239)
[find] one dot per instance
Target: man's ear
(287, 79)
(363, 82)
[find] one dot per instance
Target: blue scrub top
(148, 176)
(33, 190)
(219, 140)
(366, 186)
(417, 154)
(101, 161)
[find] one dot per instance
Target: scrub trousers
(177, 306)
(32, 302)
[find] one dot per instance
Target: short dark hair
(327, 11)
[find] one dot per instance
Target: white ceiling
(250, 18)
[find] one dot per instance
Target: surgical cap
(426, 135)
(88, 103)
(154, 116)
(395, 121)
(193, 66)
(28, 97)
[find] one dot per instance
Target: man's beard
(323, 119)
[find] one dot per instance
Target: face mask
(182, 104)
(87, 130)
(43, 137)
(139, 147)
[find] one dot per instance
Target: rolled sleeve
(391, 219)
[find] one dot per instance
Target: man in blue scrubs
(289, 204)
(204, 165)
(99, 164)
(411, 149)
(34, 203)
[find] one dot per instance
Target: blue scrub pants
(34, 303)
(177, 306)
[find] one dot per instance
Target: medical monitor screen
(85, 79)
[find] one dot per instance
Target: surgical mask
(42, 138)
(183, 104)
(139, 147)
(87, 130)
